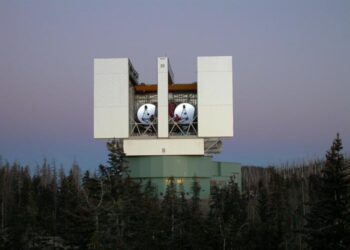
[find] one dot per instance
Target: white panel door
(215, 96)
(111, 98)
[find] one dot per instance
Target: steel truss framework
(138, 128)
(212, 146)
(175, 128)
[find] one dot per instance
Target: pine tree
(227, 217)
(182, 239)
(93, 192)
(197, 227)
(75, 222)
(270, 230)
(195, 199)
(117, 166)
(278, 211)
(119, 213)
(235, 215)
(169, 212)
(149, 231)
(328, 224)
(214, 230)
(260, 229)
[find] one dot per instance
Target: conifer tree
(184, 220)
(235, 215)
(119, 213)
(227, 217)
(169, 211)
(93, 192)
(197, 227)
(215, 223)
(278, 211)
(260, 230)
(195, 199)
(75, 219)
(270, 230)
(149, 231)
(328, 222)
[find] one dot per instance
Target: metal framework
(144, 98)
(181, 97)
(143, 115)
(138, 128)
(212, 146)
(175, 128)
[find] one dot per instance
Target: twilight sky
(291, 71)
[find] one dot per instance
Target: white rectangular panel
(214, 63)
(163, 147)
(163, 81)
(215, 96)
(217, 125)
(109, 90)
(111, 98)
(111, 65)
(107, 123)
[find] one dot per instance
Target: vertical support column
(163, 82)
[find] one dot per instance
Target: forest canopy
(304, 206)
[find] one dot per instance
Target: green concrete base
(183, 168)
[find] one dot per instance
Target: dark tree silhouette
(106, 209)
(328, 221)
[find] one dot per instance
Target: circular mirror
(184, 113)
(146, 113)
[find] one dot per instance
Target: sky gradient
(291, 64)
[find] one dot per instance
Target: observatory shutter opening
(144, 110)
(177, 104)
(183, 109)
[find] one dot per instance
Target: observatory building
(167, 129)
